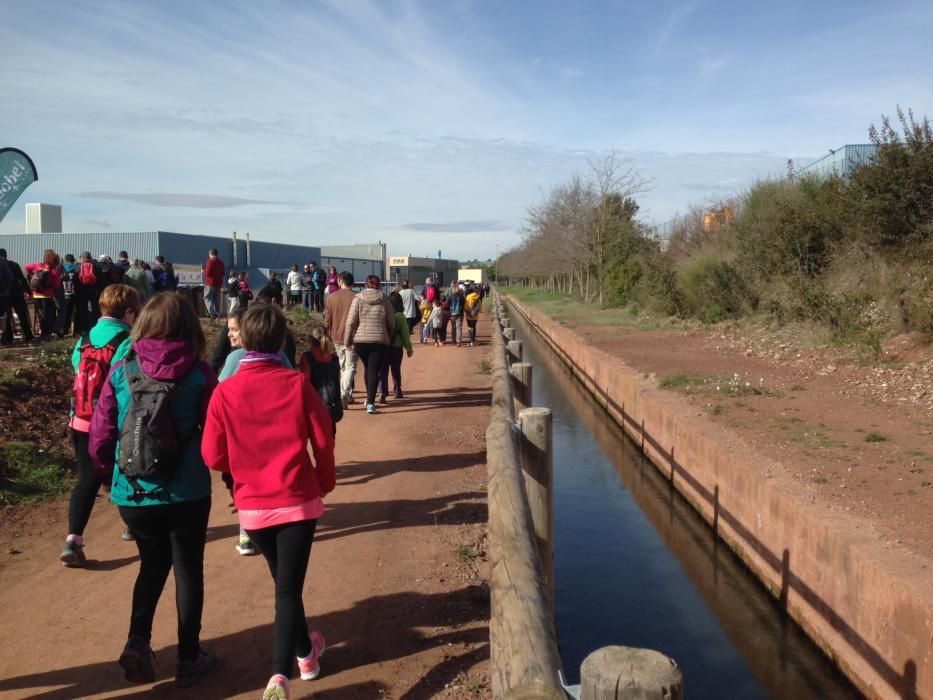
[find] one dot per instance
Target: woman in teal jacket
(168, 512)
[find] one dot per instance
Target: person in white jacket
(293, 286)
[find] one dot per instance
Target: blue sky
(430, 125)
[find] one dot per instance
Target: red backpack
(86, 276)
(92, 372)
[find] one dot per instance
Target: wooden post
(506, 322)
(515, 350)
(536, 427)
(521, 385)
(536, 691)
(509, 333)
(624, 673)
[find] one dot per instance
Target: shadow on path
(376, 630)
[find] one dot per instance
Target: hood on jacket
(165, 360)
(106, 329)
(319, 355)
(370, 296)
(71, 267)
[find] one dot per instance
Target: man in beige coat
(336, 308)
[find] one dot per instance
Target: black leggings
(85, 491)
(48, 312)
(287, 549)
(391, 362)
(372, 355)
(168, 536)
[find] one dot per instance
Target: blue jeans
(306, 300)
(212, 301)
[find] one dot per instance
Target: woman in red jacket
(45, 280)
(276, 488)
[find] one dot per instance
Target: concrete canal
(634, 565)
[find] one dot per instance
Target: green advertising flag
(17, 172)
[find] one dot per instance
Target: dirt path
(396, 581)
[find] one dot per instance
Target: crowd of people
(150, 418)
(66, 292)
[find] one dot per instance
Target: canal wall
(869, 607)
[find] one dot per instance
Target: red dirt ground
(858, 437)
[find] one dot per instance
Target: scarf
(256, 356)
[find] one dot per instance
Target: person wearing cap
(112, 274)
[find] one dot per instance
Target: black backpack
(68, 282)
(40, 280)
(325, 378)
(151, 444)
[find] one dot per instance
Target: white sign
(398, 262)
(189, 275)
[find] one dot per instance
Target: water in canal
(634, 565)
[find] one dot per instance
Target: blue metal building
(840, 162)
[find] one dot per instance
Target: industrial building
(417, 270)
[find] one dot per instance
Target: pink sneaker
(309, 666)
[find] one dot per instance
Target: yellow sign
(398, 262)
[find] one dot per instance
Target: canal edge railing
(524, 654)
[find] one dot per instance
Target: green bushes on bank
(854, 255)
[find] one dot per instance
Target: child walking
(106, 344)
(321, 368)
(436, 321)
(426, 308)
(277, 489)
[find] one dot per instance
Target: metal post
(509, 333)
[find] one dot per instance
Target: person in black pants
(166, 510)
(370, 328)
(87, 293)
(17, 302)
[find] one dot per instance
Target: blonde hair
(319, 338)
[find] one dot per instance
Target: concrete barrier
(868, 607)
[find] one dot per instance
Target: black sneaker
(136, 661)
(73, 554)
(190, 671)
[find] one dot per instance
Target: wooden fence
(524, 654)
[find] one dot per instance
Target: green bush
(892, 194)
(786, 229)
(712, 289)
